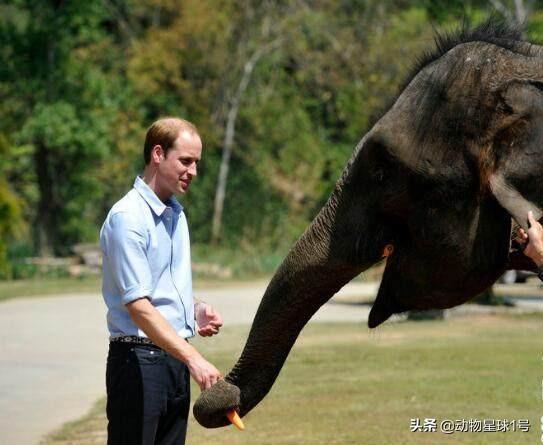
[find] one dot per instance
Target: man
(147, 287)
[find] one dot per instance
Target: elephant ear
(517, 146)
(512, 200)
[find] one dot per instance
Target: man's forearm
(155, 326)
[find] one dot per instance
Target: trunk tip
(214, 404)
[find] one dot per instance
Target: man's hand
(203, 372)
(534, 238)
(209, 321)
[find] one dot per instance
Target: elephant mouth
(388, 250)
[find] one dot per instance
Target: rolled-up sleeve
(124, 243)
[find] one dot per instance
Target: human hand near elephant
(209, 321)
(533, 240)
(203, 372)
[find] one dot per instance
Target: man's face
(178, 167)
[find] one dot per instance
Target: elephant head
(439, 177)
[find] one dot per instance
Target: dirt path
(54, 348)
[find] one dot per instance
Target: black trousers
(148, 396)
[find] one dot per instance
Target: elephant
(441, 176)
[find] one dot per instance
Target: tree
(12, 223)
(62, 110)
(259, 32)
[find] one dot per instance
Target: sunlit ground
(343, 384)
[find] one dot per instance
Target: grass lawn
(48, 286)
(345, 385)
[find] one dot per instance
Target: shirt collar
(153, 200)
(175, 205)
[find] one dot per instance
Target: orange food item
(235, 419)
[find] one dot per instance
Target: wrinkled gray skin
(439, 176)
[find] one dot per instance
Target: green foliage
(75, 145)
(442, 10)
(64, 120)
(12, 225)
(534, 29)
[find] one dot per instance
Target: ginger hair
(164, 132)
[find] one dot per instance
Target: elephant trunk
(322, 261)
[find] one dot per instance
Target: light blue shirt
(146, 253)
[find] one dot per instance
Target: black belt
(132, 339)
